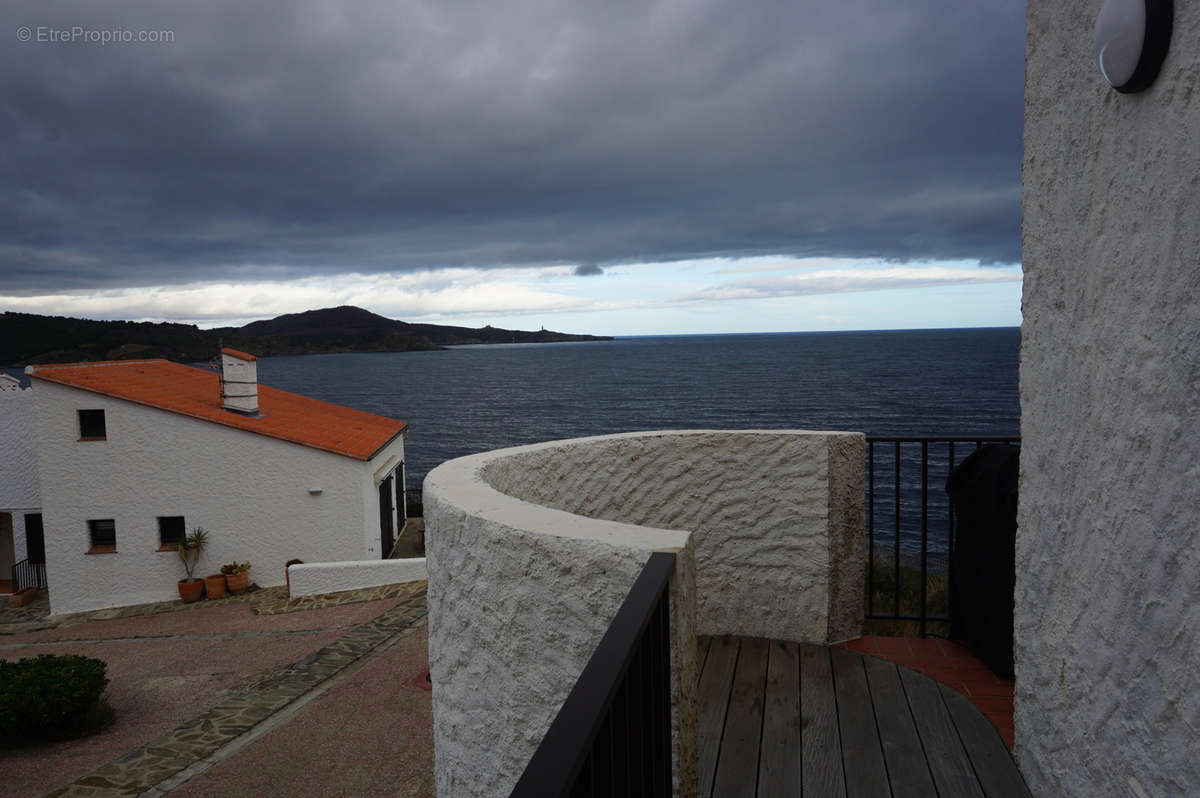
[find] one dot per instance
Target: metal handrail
(612, 735)
(26, 574)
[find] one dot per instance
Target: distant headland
(26, 338)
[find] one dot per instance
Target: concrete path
(213, 663)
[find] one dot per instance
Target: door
(402, 496)
(35, 539)
(387, 517)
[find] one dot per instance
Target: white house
(133, 454)
(20, 497)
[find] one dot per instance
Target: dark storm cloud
(588, 270)
(279, 140)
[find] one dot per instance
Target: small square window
(91, 425)
(171, 530)
(103, 533)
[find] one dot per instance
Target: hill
(28, 338)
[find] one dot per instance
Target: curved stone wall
(530, 551)
(777, 516)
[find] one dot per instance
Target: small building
(20, 495)
(134, 454)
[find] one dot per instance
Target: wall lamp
(1131, 40)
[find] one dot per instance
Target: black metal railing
(26, 574)
(916, 516)
(613, 733)
(414, 506)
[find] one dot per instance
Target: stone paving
(148, 765)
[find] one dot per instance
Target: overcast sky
(590, 166)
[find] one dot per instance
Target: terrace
(602, 622)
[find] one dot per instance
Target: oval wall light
(1130, 41)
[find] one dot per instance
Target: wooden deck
(778, 719)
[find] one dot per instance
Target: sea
(474, 398)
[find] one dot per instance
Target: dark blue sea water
(470, 399)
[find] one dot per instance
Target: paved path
(132, 642)
(368, 735)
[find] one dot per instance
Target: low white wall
(531, 551)
(311, 579)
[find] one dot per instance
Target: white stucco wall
(19, 485)
(1108, 548)
(519, 596)
(252, 492)
(312, 579)
(768, 509)
(532, 549)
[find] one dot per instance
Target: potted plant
(190, 549)
(214, 586)
(236, 576)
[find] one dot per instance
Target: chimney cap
(238, 354)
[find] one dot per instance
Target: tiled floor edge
(953, 665)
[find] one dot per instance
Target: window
(103, 534)
(91, 425)
(170, 531)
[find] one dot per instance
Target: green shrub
(51, 697)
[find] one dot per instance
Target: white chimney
(239, 382)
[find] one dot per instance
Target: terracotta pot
(237, 582)
(214, 586)
(191, 590)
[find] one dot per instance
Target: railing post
(896, 552)
(870, 528)
(924, 533)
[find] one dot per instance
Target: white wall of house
(20, 491)
(1108, 549)
(261, 499)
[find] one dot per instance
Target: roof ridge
(193, 392)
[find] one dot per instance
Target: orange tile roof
(195, 392)
(238, 353)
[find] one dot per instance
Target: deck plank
(702, 645)
(713, 694)
(780, 719)
(779, 756)
(820, 742)
(989, 754)
(862, 755)
(952, 771)
(737, 770)
(907, 770)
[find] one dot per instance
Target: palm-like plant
(190, 550)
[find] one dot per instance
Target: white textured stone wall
(1108, 548)
(312, 579)
(777, 516)
(19, 485)
(519, 596)
(531, 550)
(251, 492)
